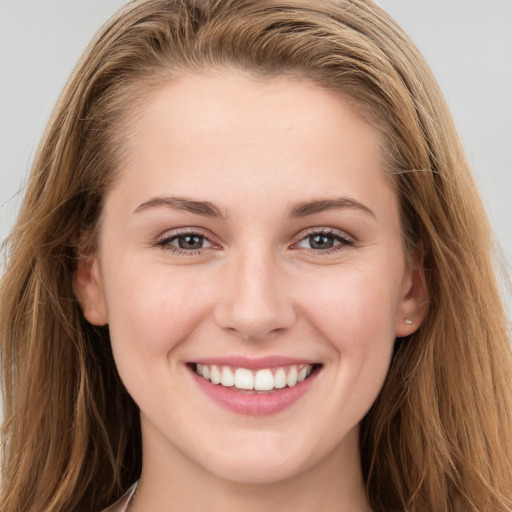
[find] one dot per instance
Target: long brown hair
(439, 436)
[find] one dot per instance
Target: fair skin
(268, 270)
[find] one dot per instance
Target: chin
(259, 465)
(259, 472)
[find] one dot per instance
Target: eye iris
(190, 242)
(321, 241)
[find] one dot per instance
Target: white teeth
(291, 378)
(244, 379)
(302, 374)
(227, 377)
(264, 380)
(280, 379)
(261, 380)
(215, 375)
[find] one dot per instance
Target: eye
(186, 242)
(324, 241)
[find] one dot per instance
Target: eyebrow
(317, 206)
(208, 209)
(204, 208)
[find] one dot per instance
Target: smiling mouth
(262, 381)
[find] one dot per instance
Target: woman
(252, 270)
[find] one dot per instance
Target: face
(253, 236)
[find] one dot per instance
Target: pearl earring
(408, 321)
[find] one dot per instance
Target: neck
(173, 482)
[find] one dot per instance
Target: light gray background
(467, 42)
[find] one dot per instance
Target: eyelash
(165, 243)
(344, 241)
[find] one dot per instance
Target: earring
(91, 306)
(408, 321)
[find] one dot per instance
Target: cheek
(356, 310)
(152, 312)
(355, 314)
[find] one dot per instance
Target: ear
(89, 291)
(413, 305)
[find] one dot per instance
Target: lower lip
(263, 404)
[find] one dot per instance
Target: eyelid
(344, 238)
(168, 235)
(323, 230)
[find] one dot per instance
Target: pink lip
(253, 404)
(253, 363)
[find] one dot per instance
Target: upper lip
(253, 363)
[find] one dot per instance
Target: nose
(255, 301)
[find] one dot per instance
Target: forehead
(195, 107)
(234, 133)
